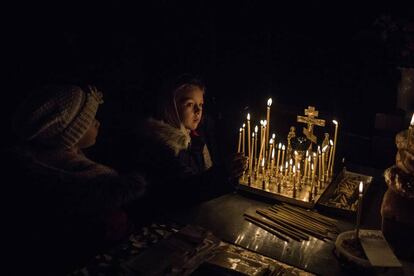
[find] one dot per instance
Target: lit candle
(286, 168)
(269, 159)
(266, 137)
(312, 180)
(243, 139)
(273, 160)
(240, 140)
(410, 129)
(314, 165)
(248, 136)
(294, 181)
(330, 157)
(263, 167)
(361, 192)
(269, 104)
(278, 155)
(319, 168)
(283, 154)
(251, 159)
(256, 129)
(254, 150)
(335, 142)
(309, 165)
(323, 162)
(262, 144)
(290, 165)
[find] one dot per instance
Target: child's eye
(189, 104)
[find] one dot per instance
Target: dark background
(327, 55)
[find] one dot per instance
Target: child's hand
(238, 165)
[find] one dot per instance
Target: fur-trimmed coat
(177, 164)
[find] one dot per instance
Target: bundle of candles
(278, 168)
(288, 222)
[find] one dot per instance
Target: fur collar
(176, 139)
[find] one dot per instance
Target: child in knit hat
(71, 198)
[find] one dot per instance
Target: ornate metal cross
(310, 119)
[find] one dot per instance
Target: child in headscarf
(174, 153)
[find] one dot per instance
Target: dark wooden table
(224, 217)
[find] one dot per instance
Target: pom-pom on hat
(57, 116)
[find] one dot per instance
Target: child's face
(89, 138)
(190, 107)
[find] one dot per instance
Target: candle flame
(283, 147)
(256, 129)
(296, 153)
(261, 122)
(361, 187)
(298, 166)
(412, 120)
(324, 148)
(269, 102)
(307, 153)
(273, 136)
(281, 168)
(253, 134)
(271, 141)
(335, 122)
(314, 154)
(263, 162)
(248, 116)
(294, 169)
(280, 145)
(286, 164)
(312, 167)
(241, 129)
(244, 125)
(290, 161)
(331, 142)
(309, 158)
(264, 122)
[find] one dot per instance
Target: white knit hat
(58, 116)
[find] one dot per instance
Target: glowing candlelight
(251, 159)
(243, 138)
(266, 137)
(270, 151)
(410, 129)
(256, 129)
(262, 144)
(286, 168)
(309, 165)
(248, 136)
(323, 162)
(335, 142)
(283, 154)
(314, 165)
(360, 196)
(278, 155)
(273, 160)
(319, 163)
(240, 140)
(330, 157)
(290, 165)
(269, 104)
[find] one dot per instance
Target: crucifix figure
(310, 119)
